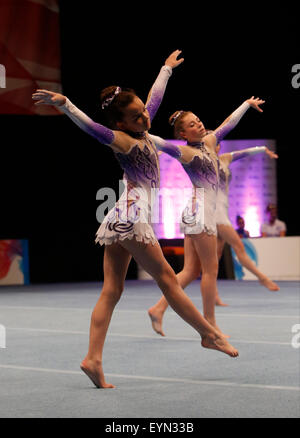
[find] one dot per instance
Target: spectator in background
(274, 227)
(241, 227)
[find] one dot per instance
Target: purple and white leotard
(131, 215)
(200, 211)
(225, 178)
(222, 199)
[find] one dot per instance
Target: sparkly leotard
(222, 198)
(199, 214)
(131, 216)
(225, 178)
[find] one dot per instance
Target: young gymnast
(199, 159)
(126, 230)
(226, 232)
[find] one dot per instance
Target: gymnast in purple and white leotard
(226, 232)
(126, 231)
(225, 177)
(199, 159)
(131, 215)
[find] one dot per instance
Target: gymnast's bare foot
(94, 370)
(156, 320)
(212, 322)
(269, 284)
(219, 302)
(219, 343)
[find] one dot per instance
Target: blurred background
(51, 171)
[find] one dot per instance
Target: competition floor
(174, 377)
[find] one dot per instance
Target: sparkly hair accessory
(172, 122)
(109, 100)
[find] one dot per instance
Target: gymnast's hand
(172, 60)
(45, 97)
(255, 103)
(271, 154)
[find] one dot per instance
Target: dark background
(51, 170)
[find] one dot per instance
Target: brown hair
(178, 124)
(114, 112)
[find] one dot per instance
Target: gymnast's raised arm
(157, 91)
(116, 102)
(234, 119)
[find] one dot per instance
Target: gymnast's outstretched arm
(237, 155)
(234, 118)
(157, 91)
(116, 139)
(180, 152)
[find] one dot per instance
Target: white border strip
(158, 379)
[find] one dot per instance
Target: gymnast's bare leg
(196, 247)
(206, 248)
(115, 265)
(190, 272)
(151, 258)
(220, 247)
(229, 235)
